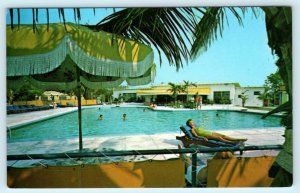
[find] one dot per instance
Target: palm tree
(244, 97)
(35, 16)
(264, 97)
(175, 90)
(186, 85)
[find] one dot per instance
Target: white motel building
(217, 93)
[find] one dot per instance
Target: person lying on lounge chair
(206, 135)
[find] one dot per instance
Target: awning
(164, 91)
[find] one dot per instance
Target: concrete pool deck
(16, 120)
(258, 136)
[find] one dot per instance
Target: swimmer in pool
(206, 135)
(124, 116)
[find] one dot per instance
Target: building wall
(117, 92)
(223, 87)
(234, 89)
(252, 98)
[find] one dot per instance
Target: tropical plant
(27, 92)
(104, 93)
(118, 99)
(264, 97)
(10, 96)
(273, 83)
(244, 97)
(169, 30)
(175, 90)
(71, 92)
(186, 85)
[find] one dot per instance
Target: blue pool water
(138, 122)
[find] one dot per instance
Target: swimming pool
(139, 121)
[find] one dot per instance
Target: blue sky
(241, 55)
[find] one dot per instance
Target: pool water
(139, 121)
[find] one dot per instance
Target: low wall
(63, 102)
(240, 172)
(167, 173)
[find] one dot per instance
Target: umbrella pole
(79, 107)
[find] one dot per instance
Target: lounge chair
(9, 109)
(189, 138)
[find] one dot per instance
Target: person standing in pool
(124, 117)
(206, 135)
(100, 117)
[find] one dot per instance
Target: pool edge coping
(39, 120)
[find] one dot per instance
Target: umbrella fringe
(37, 63)
(97, 85)
(106, 67)
(18, 83)
(44, 63)
(145, 79)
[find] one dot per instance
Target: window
(62, 97)
(222, 97)
(256, 93)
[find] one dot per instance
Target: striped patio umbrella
(63, 57)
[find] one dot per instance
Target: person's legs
(227, 137)
(219, 138)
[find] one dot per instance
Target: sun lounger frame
(189, 139)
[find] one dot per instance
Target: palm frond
(62, 12)
(237, 15)
(284, 107)
(75, 15)
(11, 13)
(48, 21)
(33, 20)
(206, 30)
(19, 19)
(36, 15)
(169, 30)
(211, 26)
(59, 14)
(78, 14)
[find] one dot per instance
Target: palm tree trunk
(279, 31)
(187, 95)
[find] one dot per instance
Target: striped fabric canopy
(49, 58)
